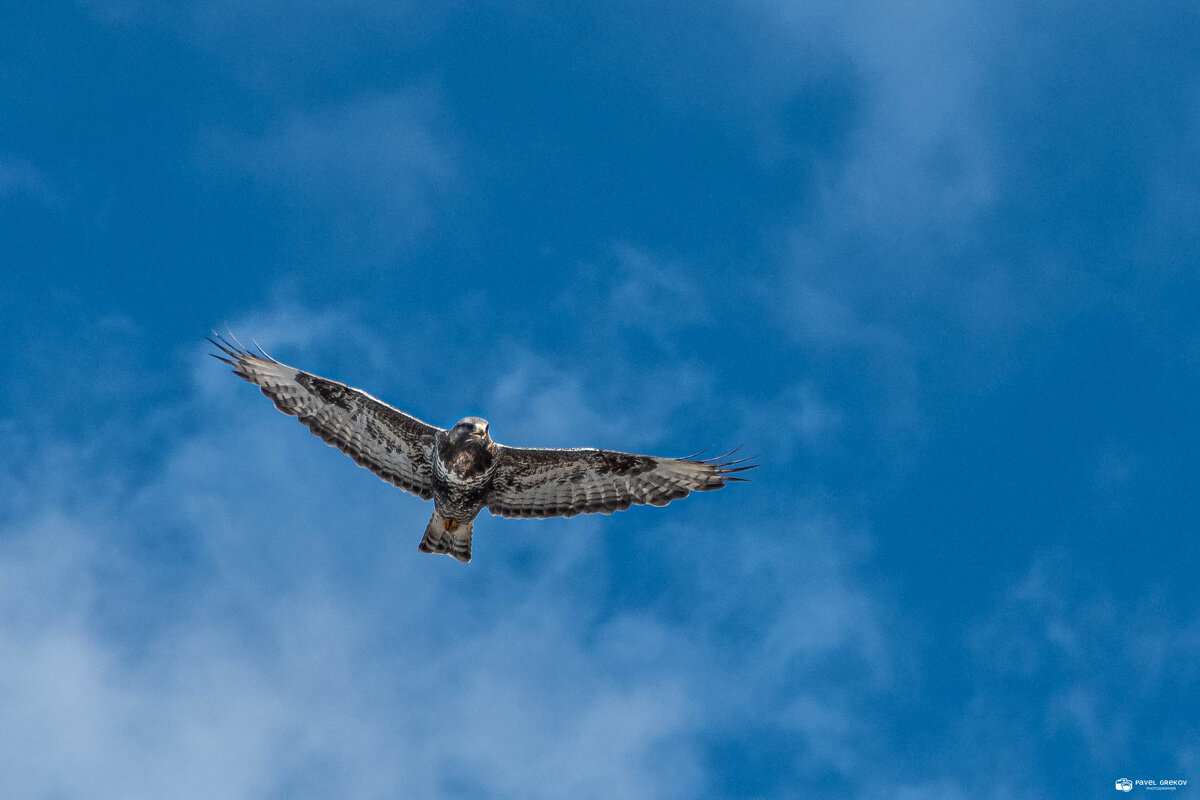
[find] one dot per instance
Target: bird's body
(461, 468)
(464, 465)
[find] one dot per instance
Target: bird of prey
(461, 468)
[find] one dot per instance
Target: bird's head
(472, 427)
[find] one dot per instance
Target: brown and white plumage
(461, 468)
(394, 445)
(545, 482)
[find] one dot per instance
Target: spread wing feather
(542, 482)
(395, 446)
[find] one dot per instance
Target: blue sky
(936, 264)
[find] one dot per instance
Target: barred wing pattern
(395, 446)
(543, 482)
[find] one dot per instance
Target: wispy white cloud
(921, 160)
(880, 264)
(372, 169)
(252, 617)
(1090, 659)
(652, 294)
(539, 401)
(20, 178)
(269, 664)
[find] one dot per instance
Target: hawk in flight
(461, 469)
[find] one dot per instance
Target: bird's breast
(466, 462)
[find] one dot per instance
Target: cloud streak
(373, 170)
(298, 640)
(21, 179)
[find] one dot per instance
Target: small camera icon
(1124, 785)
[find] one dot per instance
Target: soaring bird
(461, 468)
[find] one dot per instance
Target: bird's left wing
(543, 482)
(395, 446)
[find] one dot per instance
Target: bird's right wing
(545, 482)
(395, 446)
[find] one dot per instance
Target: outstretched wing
(395, 446)
(540, 482)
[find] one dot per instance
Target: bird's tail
(447, 536)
